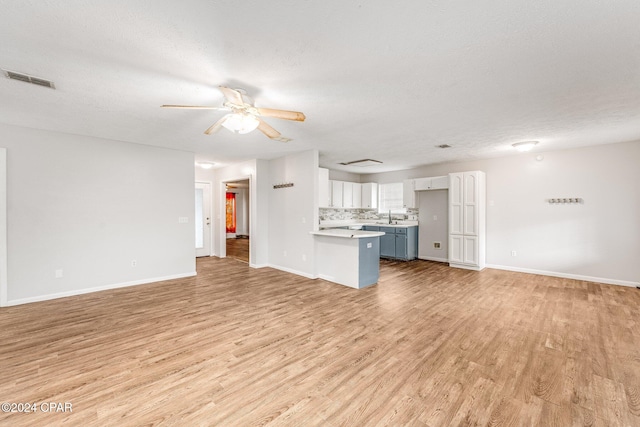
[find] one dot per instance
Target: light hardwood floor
(238, 248)
(428, 346)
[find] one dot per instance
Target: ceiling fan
(244, 117)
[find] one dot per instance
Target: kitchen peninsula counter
(348, 257)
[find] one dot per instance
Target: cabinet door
(470, 201)
(456, 214)
(347, 194)
(422, 184)
(439, 182)
(409, 193)
(357, 195)
(388, 245)
(370, 195)
(401, 246)
(470, 250)
(456, 249)
(336, 194)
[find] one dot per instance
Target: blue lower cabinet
(401, 246)
(399, 243)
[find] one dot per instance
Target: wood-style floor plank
(427, 346)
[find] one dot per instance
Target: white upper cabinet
(336, 194)
(343, 194)
(370, 195)
(347, 194)
(357, 195)
(432, 183)
(409, 193)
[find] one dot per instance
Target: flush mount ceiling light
(362, 163)
(524, 145)
(205, 165)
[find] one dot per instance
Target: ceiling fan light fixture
(524, 145)
(241, 123)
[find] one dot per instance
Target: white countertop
(351, 223)
(350, 234)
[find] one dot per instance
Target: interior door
(203, 219)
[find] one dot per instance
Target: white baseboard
(566, 275)
(258, 265)
(292, 271)
(96, 289)
(466, 267)
(432, 258)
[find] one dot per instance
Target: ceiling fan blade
(193, 107)
(265, 128)
(216, 126)
(282, 114)
(232, 95)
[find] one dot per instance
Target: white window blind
(390, 196)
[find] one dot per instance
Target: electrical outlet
(437, 245)
(514, 253)
(59, 273)
(134, 263)
(304, 257)
(284, 253)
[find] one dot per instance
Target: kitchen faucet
(389, 216)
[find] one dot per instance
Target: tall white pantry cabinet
(467, 211)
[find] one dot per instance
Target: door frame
(3, 228)
(210, 200)
(222, 226)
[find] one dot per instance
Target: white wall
(293, 212)
(597, 240)
(90, 206)
(336, 175)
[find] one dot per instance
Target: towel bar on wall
(286, 185)
(565, 200)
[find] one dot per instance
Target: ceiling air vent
(362, 163)
(443, 146)
(28, 79)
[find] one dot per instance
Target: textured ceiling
(378, 79)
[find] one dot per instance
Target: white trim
(292, 271)
(3, 228)
(466, 267)
(258, 265)
(566, 275)
(211, 217)
(432, 258)
(222, 224)
(97, 289)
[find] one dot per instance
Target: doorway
(237, 219)
(203, 219)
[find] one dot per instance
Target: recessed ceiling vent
(362, 163)
(28, 79)
(443, 146)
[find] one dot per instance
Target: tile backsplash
(331, 214)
